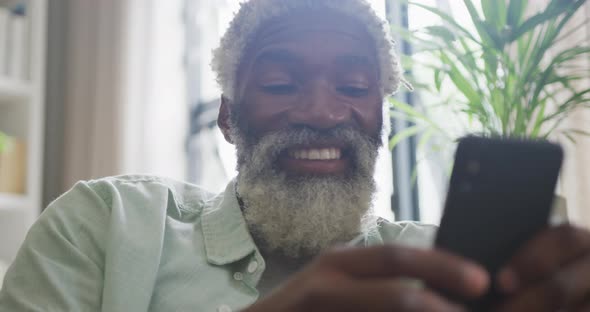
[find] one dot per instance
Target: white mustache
(360, 147)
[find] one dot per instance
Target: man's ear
(223, 120)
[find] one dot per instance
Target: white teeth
(300, 154)
(316, 154)
(336, 153)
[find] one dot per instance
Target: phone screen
(500, 195)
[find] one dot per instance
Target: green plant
(507, 82)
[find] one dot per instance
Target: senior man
(303, 85)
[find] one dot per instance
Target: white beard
(300, 216)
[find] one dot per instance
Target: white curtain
(125, 110)
(93, 94)
(156, 111)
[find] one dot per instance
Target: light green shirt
(142, 243)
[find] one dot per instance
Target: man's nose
(320, 108)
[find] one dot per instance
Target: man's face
(311, 70)
(306, 126)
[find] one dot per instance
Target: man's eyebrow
(353, 61)
(277, 56)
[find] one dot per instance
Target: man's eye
(280, 89)
(353, 91)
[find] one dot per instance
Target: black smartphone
(500, 195)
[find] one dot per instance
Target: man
(303, 84)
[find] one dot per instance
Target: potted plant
(508, 75)
(502, 79)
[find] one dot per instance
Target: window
(432, 169)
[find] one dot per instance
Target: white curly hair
(255, 13)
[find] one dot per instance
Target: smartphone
(500, 195)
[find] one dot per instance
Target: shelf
(11, 3)
(13, 201)
(14, 90)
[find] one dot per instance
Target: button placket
(254, 277)
(249, 272)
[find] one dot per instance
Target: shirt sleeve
(60, 265)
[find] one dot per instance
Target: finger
(544, 255)
(584, 307)
(437, 268)
(565, 289)
(376, 295)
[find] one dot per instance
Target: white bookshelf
(13, 201)
(14, 90)
(22, 109)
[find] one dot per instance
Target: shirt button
(238, 276)
(252, 267)
(224, 308)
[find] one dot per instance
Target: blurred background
(96, 88)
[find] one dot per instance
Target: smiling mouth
(331, 153)
(324, 160)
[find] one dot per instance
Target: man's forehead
(259, 19)
(281, 39)
(303, 22)
(286, 56)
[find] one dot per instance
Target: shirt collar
(226, 234)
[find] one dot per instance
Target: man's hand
(551, 273)
(376, 279)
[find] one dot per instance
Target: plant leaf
(495, 13)
(460, 81)
(489, 35)
(404, 134)
(441, 32)
(445, 17)
(407, 109)
(538, 120)
(569, 137)
(438, 78)
(553, 10)
(516, 9)
(579, 132)
(424, 139)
